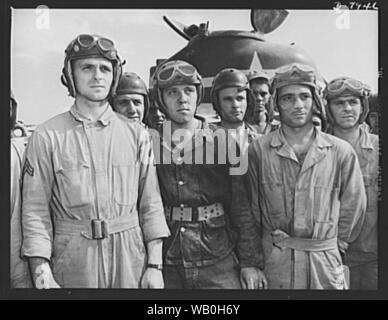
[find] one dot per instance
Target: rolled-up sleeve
(37, 179)
(151, 212)
(352, 198)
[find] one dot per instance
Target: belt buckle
(99, 229)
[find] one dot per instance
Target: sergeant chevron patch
(28, 168)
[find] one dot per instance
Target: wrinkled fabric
(188, 183)
(364, 249)
(19, 273)
(267, 129)
(224, 274)
(252, 132)
(81, 170)
(321, 199)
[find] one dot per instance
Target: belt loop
(105, 229)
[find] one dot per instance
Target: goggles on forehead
(295, 66)
(87, 41)
(86, 44)
(339, 85)
(168, 73)
(295, 72)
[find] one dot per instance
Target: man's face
(181, 102)
(346, 111)
(373, 119)
(260, 91)
(233, 104)
(130, 105)
(295, 104)
(156, 118)
(93, 78)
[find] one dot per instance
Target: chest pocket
(275, 200)
(75, 187)
(125, 183)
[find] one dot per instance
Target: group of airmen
(104, 195)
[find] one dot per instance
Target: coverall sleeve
(352, 198)
(19, 273)
(243, 221)
(151, 211)
(37, 180)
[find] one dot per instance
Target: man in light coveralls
(92, 211)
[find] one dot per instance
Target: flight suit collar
(364, 148)
(365, 140)
(316, 152)
(104, 119)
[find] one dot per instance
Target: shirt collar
(365, 141)
(204, 131)
(321, 140)
(104, 119)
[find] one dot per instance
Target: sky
(39, 39)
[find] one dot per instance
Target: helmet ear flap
(274, 101)
(117, 76)
(146, 108)
(214, 99)
(365, 109)
(250, 104)
(63, 79)
(201, 93)
(66, 79)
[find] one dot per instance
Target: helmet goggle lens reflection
(169, 72)
(341, 84)
(87, 41)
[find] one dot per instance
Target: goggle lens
(86, 40)
(166, 74)
(187, 70)
(105, 44)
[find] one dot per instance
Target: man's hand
(41, 274)
(253, 278)
(152, 279)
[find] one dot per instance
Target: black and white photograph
(189, 150)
